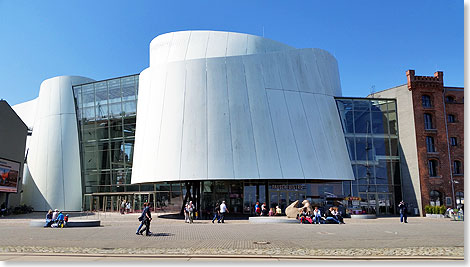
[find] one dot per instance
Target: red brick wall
(434, 87)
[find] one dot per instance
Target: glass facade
(371, 133)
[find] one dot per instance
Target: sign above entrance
(288, 187)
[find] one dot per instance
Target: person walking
(403, 210)
(147, 217)
(223, 211)
(216, 212)
(143, 220)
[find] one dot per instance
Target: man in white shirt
(223, 211)
(55, 215)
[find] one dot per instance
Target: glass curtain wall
(371, 131)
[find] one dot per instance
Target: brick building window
(457, 167)
(426, 101)
(451, 118)
(450, 99)
(435, 198)
(430, 144)
(432, 165)
(428, 121)
(459, 198)
(453, 141)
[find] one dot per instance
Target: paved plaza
(421, 238)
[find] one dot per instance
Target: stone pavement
(421, 238)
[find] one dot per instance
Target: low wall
(363, 216)
(80, 223)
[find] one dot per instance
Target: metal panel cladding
(224, 105)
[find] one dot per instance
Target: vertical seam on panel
(182, 123)
(308, 124)
(205, 53)
(226, 49)
(293, 134)
(161, 117)
(310, 134)
(246, 48)
(207, 124)
(323, 130)
(60, 138)
(229, 116)
(271, 119)
(187, 45)
(251, 119)
(170, 44)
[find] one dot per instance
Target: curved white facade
(218, 105)
(52, 178)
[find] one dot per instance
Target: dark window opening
(453, 141)
(432, 165)
(457, 167)
(428, 121)
(426, 101)
(430, 144)
(451, 118)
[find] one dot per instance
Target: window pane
(362, 122)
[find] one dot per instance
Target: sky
(374, 42)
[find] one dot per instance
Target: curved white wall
(215, 105)
(52, 177)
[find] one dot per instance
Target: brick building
(431, 134)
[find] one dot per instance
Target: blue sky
(375, 42)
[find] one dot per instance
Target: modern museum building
(216, 116)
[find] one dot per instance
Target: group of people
(332, 215)
(220, 210)
(56, 219)
(125, 207)
(263, 210)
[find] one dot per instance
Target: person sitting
(257, 209)
(303, 215)
(337, 215)
(330, 217)
(49, 220)
(316, 216)
(271, 212)
(264, 210)
(54, 215)
(60, 220)
(278, 210)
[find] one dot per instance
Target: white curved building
(219, 105)
(52, 177)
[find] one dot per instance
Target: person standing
(191, 212)
(216, 212)
(223, 211)
(403, 210)
(123, 206)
